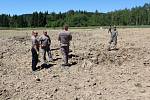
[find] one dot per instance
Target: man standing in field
(113, 39)
(45, 42)
(34, 50)
(65, 37)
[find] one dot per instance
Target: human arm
(35, 45)
(116, 33)
(70, 37)
(59, 37)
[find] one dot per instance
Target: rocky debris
(38, 79)
(1, 55)
(146, 62)
(142, 91)
(138, 85)
(21, 38)
(86, 64)
(4, 94)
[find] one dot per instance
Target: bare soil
(95, 73)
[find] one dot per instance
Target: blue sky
(29, 6)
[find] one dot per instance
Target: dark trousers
(65, 52)
(34, 59)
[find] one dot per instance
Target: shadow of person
(70, 64)
(46, 66)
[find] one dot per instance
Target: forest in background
(135, 16)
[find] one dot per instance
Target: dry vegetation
(98, 75)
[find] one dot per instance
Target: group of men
(64, 37)
(43, 43)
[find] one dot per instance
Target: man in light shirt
(65, 37)
(45, 43)
(34, 50)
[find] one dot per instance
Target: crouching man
(65, 37)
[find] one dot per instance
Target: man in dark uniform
(34, 50)
(65, 37)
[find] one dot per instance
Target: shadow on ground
(55, 49)
(73, 55)
(45, 66)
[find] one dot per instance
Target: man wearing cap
(45, 42)
(34, 50)
(65, 37)
(113, 39)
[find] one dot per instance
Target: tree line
(135, 16)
